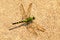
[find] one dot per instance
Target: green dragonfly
(28, 20)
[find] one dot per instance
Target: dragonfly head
(33, 17)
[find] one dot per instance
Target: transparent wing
(31, 28)
(24, 16)
(38, 27)
(29, 10)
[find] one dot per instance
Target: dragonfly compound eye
(33, 17)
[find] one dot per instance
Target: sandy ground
(47, 15)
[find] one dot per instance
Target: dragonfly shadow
(24, 24)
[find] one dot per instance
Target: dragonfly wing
(24, 16)
(38, 27)
(31, 29)
(29, 10)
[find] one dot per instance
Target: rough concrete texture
(47, 13)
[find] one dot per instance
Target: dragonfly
(29, 20)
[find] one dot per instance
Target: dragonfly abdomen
(17, 22)
(26, 20)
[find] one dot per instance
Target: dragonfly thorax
(29, 19)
